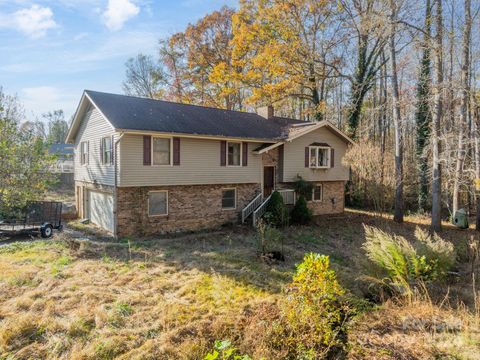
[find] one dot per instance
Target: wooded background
(398, 76)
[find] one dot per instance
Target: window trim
(235, 199)
(170, 138)
(87, 157)
(241, 154)
(317, 148)
(148, 203)
(313, 193)
(104, 162)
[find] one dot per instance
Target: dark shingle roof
(133, 113)
(61, 149)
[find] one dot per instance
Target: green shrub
(276, 213)
(303, 187)
(312, 324)
(400, 264)
(223, 350)
(301, 214)
(268, 237)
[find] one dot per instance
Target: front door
(268, 180)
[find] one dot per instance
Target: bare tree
(143, 77)
(398, 211)
(465, 91)
(57, 126)
(437, 45)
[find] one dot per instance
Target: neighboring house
(146, 166)
(64, 154)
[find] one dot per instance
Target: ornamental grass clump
(401, 265)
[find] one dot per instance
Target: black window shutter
(332, 157)
(176, 151)
(245, 154)
(307, 157)
(223, 153)
(147, 150)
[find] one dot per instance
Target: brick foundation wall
(189, 208)
(331, 190)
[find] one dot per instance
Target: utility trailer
(38, 217)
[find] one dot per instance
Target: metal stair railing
(258, 213)
(251, 207)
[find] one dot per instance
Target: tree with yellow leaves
(281, 50)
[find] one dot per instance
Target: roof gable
(84, 106)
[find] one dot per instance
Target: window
(157, 203)
(107, 150)
(319, 157)
(229, 198)
(84, 152)
(317, 193)
(234, 153)
(161, 151)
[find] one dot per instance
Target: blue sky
(52, 50)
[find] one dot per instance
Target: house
(64, 157)
(146, 166)
(63, 167)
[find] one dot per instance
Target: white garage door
(100, 207)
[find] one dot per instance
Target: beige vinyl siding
(92, 128)
(294, 158)
(199, 165)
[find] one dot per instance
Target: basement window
(229, 199)
(317, 193)
(157, 203)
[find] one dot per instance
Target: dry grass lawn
(171, 298)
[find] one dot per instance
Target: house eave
(196, 136)
(321, 124)
(268, 148)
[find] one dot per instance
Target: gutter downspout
(115, 190)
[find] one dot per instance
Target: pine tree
(423, 116)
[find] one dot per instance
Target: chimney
(266, 111)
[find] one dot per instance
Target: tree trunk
(384, 77)
(398, 212)
(464, 103)
(476, 149)
(423, 115)
(436, 222)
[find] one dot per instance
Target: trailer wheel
(46, 231)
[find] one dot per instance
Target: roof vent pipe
(266, 111)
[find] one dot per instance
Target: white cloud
(17, 67)
(80, 36)
(33, 22)
(42, 99)
(96, 53)
(118, 12)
